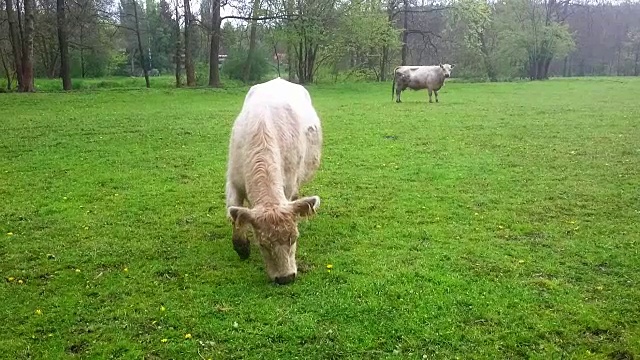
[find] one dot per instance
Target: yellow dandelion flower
(162, 308)
(78, 270)
(329, 266)
(521, 261)
(126, 269)
(11, 278)
(20, 282)
(164, 340)
(187, 336)
(9, 234)
(38, 312)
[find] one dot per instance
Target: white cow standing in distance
(275, 148)
(430, 77)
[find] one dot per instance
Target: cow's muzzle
(283, 280)
(446, 75)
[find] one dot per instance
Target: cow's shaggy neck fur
(265, 186)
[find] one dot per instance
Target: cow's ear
(240, 216)
(453, 65)
(306, 206)
(442, 67)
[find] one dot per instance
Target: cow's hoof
(241, 246)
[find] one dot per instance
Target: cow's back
(277, 117)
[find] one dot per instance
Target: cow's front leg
(235, 197)
(436, 92)
(430, 92)
(291, 192)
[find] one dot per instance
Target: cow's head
(446, 68)
(276, 232)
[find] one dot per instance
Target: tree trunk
(27, 47)
(547, 64)
(7, 71)
(636, 67)
(178, 55)
(142, 61)
(491, 71)
(214, 49)
(65, 73)
(252, 41)
(15, 41)
(383, 63)
(290, 46)
(405, 32)
(82, 72)
(275, 52)
(290, 63)
(188, 61)
(300, 56)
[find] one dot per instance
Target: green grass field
(500, 223)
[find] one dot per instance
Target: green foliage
(118, 64)
(361, 33)
(499, 40)
(529, 31)
(237, 59)
(500, 223)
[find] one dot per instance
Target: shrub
(234, 65)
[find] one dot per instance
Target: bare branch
(420, 11)
(248, 18)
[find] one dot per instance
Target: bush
(233, 67)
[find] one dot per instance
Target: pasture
(500, 223)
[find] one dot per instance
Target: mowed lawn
(500, 223)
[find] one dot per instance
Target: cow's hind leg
(436, 92)
(235, 197)
(398, 92)
(430, 92)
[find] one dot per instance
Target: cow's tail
(393, 82)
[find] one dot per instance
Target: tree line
(313, 40)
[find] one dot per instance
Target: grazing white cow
(430, 77)
(275, 147)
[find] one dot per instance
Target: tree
(362, 35)
(27, 47)
(252, 40)
(178, 48)
(63, 41)
(140, 51)
(214, 47)
(538, 29)
(474, 17)
(633, 46)
(15, 42)
(188, 53)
